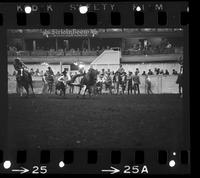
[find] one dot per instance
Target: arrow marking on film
(22, 170)
(113, 170)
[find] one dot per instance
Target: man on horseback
(19, 66)
(23, 77)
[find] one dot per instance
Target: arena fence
(160, 84)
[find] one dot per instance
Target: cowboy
(62, 78)
(61, 85)
(108, 83)
(49, 79)
(18, 65)
(66, 74)
(130, 82)
(124, 81)
(136, 80)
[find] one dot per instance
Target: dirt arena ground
(123, 121)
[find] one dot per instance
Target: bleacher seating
(72, 52)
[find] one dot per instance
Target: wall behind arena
(142, 67)
(127, 67)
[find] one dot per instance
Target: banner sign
(69, 32)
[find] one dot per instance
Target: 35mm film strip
(99, 15)
(94, 88)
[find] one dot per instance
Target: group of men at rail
(118, 82)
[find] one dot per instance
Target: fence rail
(160, 85)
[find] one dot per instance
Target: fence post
(60, 67)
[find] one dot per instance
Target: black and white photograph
(96, 88)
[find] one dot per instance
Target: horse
(24, 80)
(88, 79)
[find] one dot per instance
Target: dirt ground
(108, 121)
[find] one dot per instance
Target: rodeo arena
(98, 87)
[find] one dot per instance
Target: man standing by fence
(148, 85)
(136, 85)
(130, 82)
(179, 81)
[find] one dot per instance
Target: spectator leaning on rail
(136, 80)
(137, 71)
(150, 72)
(144, 73)
(166, 72)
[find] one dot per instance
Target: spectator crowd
(107, 80)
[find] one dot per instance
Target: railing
(160, 85)
(93, 53)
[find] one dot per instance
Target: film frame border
(11, 23)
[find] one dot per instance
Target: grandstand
(144, 47)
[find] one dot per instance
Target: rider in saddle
(20, 66)
(50, 71)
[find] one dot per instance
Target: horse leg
(110, 90)
(20, 88)
(27, 89)
(80, 88)
(85, 90)
(49, 88)
(64, 89)
(89, 91)
(122, 89)
(31, 84)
